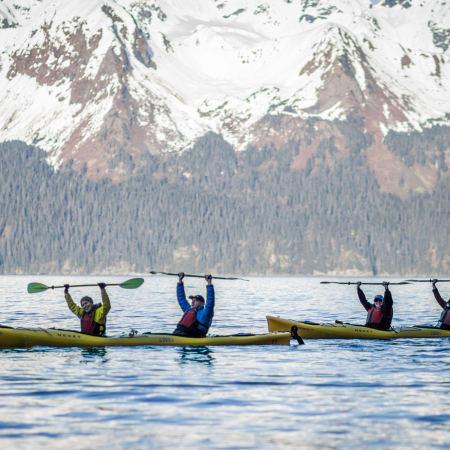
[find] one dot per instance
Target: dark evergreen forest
(209, 209)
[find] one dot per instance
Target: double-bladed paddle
(196, 276)
(373, 284)
(132, 283)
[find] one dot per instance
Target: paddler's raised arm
(210, 298)
(437, 295)
(387, 302)
(362, 297)
(106, 304)
(181, 295)
(71, 304)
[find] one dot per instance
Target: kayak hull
(339, 330)
(30, 337)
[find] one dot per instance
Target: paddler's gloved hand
(386, 285)
(208, 278)
(101, 285)
(358, 285)
(180, 277)
(66, 289)
(433, 283)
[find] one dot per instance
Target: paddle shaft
(79, 285)
(195, 276)
(428, 281)
(372, 284)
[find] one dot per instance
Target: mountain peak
(104, 82)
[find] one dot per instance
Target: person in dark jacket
(380, 313)
(197, 318)
(444, 321)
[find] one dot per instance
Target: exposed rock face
(96, 109)
(100, 84)
(56, 60)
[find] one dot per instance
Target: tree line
(211, 209)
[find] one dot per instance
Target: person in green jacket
(92, 317)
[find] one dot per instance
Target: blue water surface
(325, 394)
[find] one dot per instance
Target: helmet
(87, 299)
(378, 298)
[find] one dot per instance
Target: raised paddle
(132, 283)
(373, 284)
(196, 276)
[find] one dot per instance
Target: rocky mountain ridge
(101, 84)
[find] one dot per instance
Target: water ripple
(326, 394)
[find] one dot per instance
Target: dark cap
(197, 297)
(378, 298)
(87, 299)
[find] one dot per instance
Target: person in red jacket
(444, 321)
(380, 313)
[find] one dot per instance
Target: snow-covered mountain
(103, 82)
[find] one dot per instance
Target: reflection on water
(203, 355)
(325, 394)
(94, 352)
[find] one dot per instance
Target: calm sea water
(325, 394)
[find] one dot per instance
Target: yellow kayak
(340, 330)
(30, 337)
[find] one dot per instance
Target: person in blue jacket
(197, 318)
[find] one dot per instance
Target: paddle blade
(132, 284)
(36, 287)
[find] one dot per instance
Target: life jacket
(189, 324)
(445, 318)
(88, 324)
(374, 316)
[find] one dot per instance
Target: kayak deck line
(343, 330)
(53, 337)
